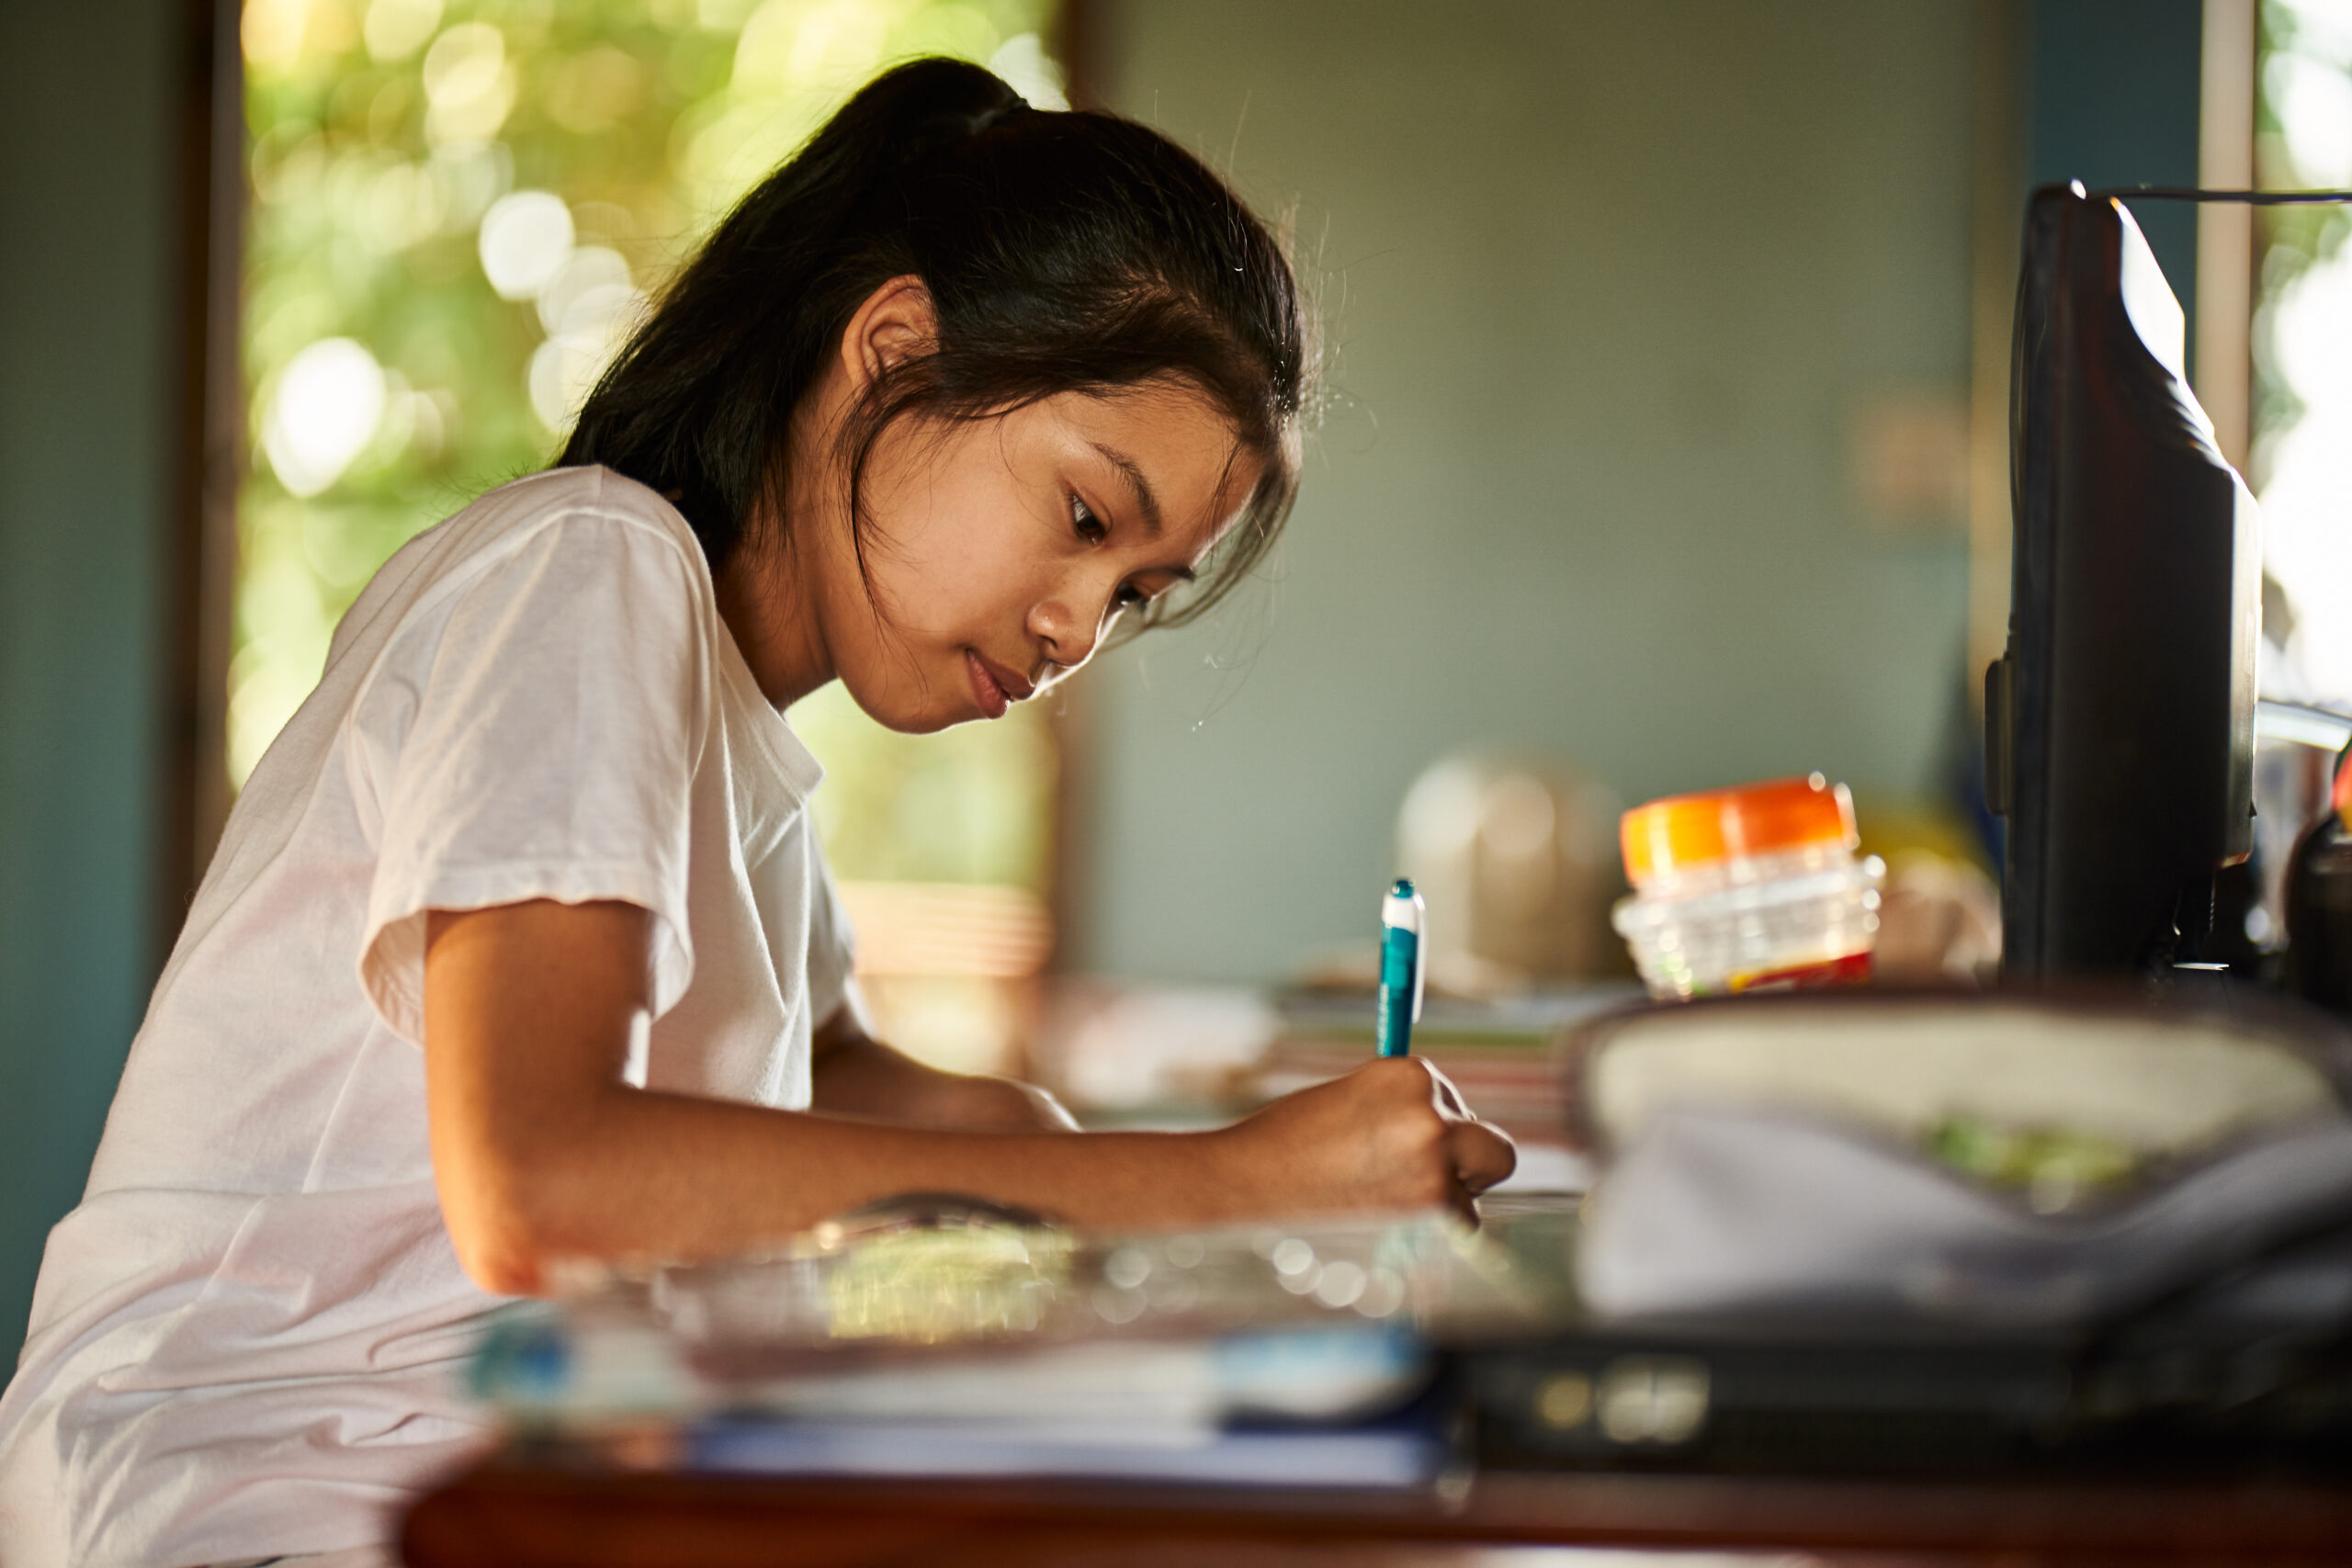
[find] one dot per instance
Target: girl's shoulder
(607, 524)
(522, 507)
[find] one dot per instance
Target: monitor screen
(2120, 723)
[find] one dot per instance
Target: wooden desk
(521, 1515)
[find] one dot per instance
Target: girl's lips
(985, 690)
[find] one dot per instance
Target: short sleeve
(540, 742)
(832, 951)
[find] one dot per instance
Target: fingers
(1450, 1102)
(1409, 1138)
(1481, 1154)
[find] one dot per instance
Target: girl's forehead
(1169, 437)
(1176, 409)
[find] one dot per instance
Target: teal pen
(1402, 916)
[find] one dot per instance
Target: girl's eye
(1089, 527)
(1129, 597)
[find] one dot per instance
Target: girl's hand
(1394, 1135)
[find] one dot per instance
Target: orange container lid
(1713, 826)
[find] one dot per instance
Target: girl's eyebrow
(1147, 502)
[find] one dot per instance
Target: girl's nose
(1064, 636)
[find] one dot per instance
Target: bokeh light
(468, 84)
(2302, 459)
(2307, 503)
(394, 30)
(525, 237)
(326, 409)
(2314, 106)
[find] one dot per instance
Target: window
(458, 207)
(2303, 342)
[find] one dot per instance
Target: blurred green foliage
(382, 135)
(2291, 239)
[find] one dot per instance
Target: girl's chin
(918, 722)
(910, 713)
(920, 692)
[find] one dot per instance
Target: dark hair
(1063, 251)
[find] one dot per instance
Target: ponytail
(1062, 251)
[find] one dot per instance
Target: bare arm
(541, 1153)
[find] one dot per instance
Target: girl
(519, 948)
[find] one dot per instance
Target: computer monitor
(2120, 723)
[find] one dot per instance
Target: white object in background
(1547, 1168)
(1131, 1046)
(2159, 1087)
(1726, 1209)
(1518, 855)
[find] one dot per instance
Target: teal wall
(86, 296)
(2109, 79)
(1605, 283)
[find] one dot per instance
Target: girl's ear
(895, 323)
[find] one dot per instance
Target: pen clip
(1421, 952)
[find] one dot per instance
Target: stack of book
(944, 1345)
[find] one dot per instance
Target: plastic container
(1748, 889)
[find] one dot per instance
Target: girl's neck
(764, 598)
(770, 591)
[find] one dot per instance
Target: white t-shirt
(247, 1338)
